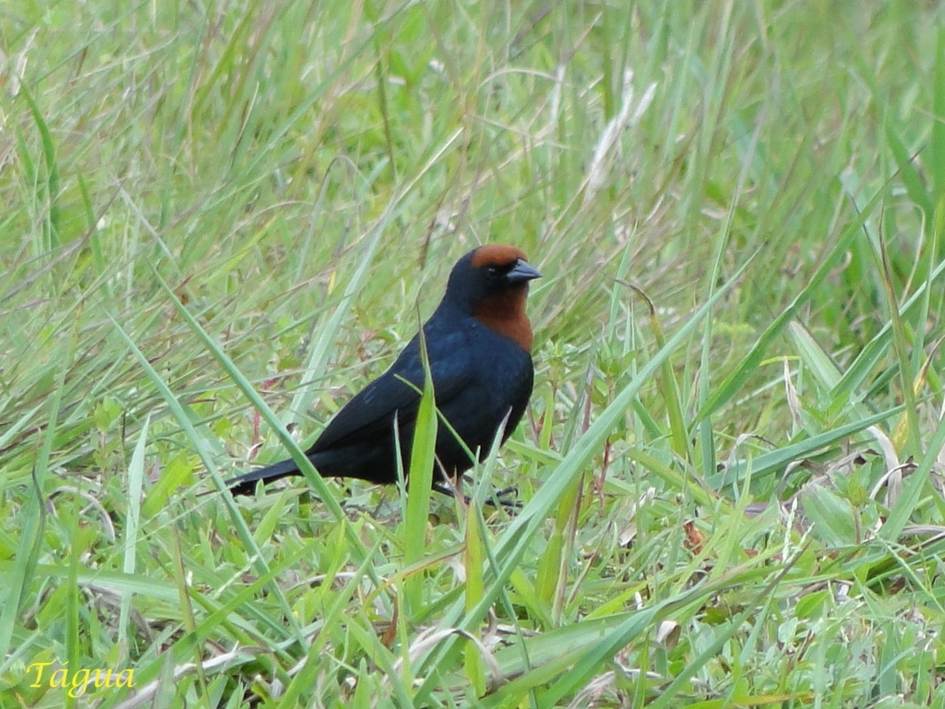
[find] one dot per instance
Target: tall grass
(224, 219)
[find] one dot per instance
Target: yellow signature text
(78, 682)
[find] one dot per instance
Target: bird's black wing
(370, 413)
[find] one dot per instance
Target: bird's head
(491, 283)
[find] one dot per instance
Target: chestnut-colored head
(491, 284)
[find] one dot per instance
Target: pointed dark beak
(522, 273)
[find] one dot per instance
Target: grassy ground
(731, 469)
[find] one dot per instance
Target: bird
(478, 344)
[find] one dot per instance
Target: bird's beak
(522, 273)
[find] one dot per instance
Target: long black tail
(245, 484)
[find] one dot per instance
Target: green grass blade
(420, 483)
(516, 538)
(473, 558)
(937, 145)
(327, 331)
(135, 488)
(854, 376)
(775, 460)
(722, 637)
(31, 522)
(749, 363)
(913, 487)
(51, 222)
(202, 449)
(305, 465)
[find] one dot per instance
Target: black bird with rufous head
(478, 344)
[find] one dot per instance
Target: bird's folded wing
(370, 413)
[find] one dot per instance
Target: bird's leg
(507, 497)
(510, 491)
(498, 498)
(495, 498)
(444, 488)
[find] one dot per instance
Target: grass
(223, 219)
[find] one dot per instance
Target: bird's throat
(504, 313)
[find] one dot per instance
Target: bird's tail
(245, 484)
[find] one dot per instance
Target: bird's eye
(493, 271)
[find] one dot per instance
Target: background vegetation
(731, 470)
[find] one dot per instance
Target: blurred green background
(734, 504)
